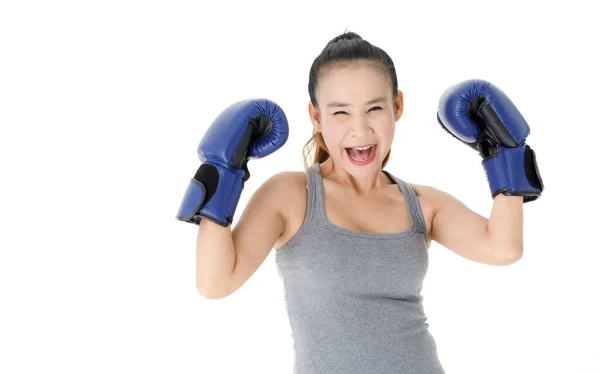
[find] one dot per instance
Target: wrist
(513, 172)
(222, 195)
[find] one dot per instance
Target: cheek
(332, 132)
(388, 125)
(389, 134)
(385, 134)
(390, 130)
(334, 144)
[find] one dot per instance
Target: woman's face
(356, 107)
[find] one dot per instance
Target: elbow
(509, 256)
(514, 256)
(516, 253)
(211, 293)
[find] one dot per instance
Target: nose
(361, 128)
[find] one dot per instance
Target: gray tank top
(354, 298)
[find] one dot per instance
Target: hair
(343, 49)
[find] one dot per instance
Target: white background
(102, 105)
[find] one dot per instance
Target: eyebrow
(336, 104)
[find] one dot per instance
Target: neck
(361, 185)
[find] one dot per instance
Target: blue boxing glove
(251, 128)
(480, 115)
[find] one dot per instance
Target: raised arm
(497, 240)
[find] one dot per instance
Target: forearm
(215, 258)
(505, 226)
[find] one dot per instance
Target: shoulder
(431, 198)
(423, 190)
(279, 194)
(284, 180)
(427, 191)
(284, 187)
(289, 198)
(434, 196)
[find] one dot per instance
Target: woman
(351, 239)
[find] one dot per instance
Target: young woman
(351, 239)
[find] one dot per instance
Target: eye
(375, 107)
(341, 111)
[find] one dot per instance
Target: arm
(494, 241)
(227, 257)
(481, 116)
(215, 256)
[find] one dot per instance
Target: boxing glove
(481, 116)
(251, 128)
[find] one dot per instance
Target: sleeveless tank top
(354, 298)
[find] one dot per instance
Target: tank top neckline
(320, 209)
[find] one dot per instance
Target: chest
(382, 213)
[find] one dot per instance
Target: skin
(497, 240)
(276, 209)
(354, 121)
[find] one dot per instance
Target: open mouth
(361, 154)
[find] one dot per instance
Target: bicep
(259, 226)
(462, 230)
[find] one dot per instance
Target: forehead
(352, 82)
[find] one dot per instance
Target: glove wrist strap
(212, 194)
(222, 196)
(514, 172)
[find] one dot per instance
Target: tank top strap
(312, 191)
(315, 198)
(412, 201)
(316, 190)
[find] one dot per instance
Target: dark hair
(345, 48)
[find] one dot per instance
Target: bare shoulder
(260, 226)
(424, 192)
(432, 199)
(295, 185)
(292, 201)
(289, 190)
(429, 194)
(288, 182)
(435, 195)
(282, 186)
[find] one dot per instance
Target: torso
(391, 211)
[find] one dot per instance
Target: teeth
(368, 157)
(363, 148)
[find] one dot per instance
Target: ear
(398, 105)
(314, 116)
